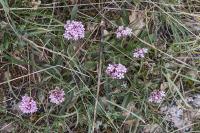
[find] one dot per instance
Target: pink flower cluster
(116, 71)
(28, 105)
(57, 95)
(123, 32)
(74, 30)
(157, 96)
(140, 52)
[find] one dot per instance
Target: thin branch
(40, 72)
(102, 26)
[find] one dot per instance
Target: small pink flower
(140, 52)
(116, 71)
(123, 32)
(157, 96)
(74, 30)
(57, 95)
(28, 105)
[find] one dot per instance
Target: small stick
(102, 26)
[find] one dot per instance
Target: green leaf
(125, 17)
(5, 43)
(74, 12)
(14, 60)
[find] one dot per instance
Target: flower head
(123, 32)
(74, 30)
(157, 96)
(28, 105)
(140, 52)
(57, 95)
(116, 71)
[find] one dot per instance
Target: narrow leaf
(74, 12)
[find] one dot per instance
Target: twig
(102, 26)
(196, 14)
(39, 72)
(50, 7)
